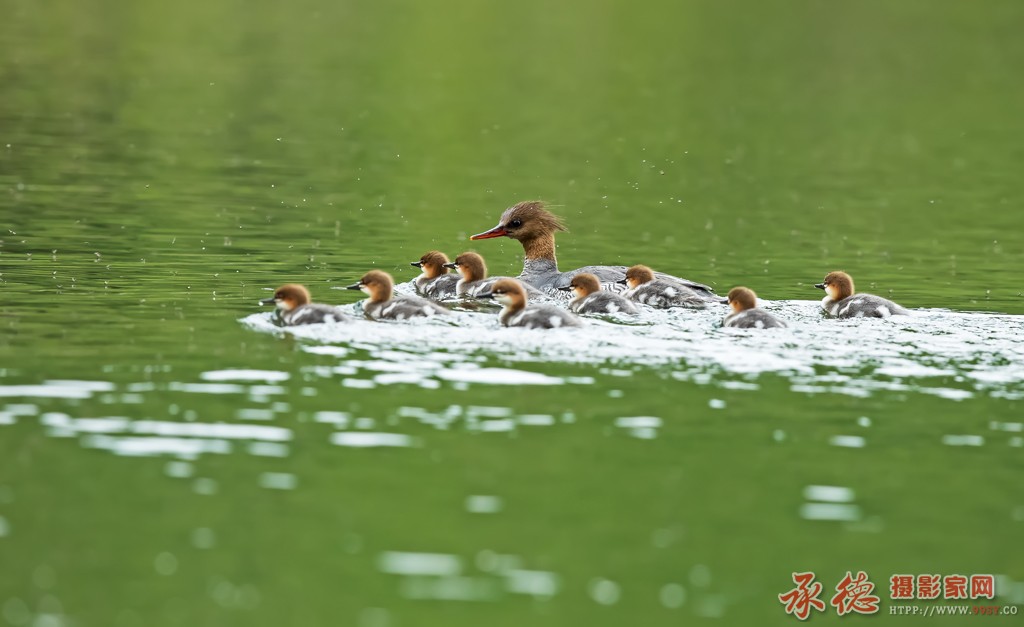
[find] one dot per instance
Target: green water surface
(163, 163)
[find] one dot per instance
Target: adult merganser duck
(515, 312)
(535, 228)
(294, 307)
(842, 303)
(590, 298)
(383, 305)
(474, 279)
(746, 315)
(435, 282)
(658, 292)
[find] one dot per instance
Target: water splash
(947, 354)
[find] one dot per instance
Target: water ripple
(947, 354)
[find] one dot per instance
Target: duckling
(657, 292)
(533, 226)
(383, 305)
(590, 298)
(474, 279)
(435, 282)
(746, 315)
(842, 303)
(515, 312)
(294, 307)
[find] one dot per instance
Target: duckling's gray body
(472, 289)
(663, 294)
(862, 306)
(753, 319)
(312, 314)
(439, 287)
(602, 302)
(403, 307)
(539, 317)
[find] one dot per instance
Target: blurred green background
(161, 164)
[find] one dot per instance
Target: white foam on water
(499, 376)
(145, 447)
(638, 422)
(207, 388)
(536, 420)
(977, 353)
(497, 426)
(228, 431)
(363, 439)
(413, 563)
(266, 376)
(963, 440)
(483, 504)
(538, 583)
(450, 588)
(830, 511)
(339, 419)
(848, 441)
(278, 481)
(828, 493)
(44, 391)
(21, 409)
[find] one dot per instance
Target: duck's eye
(516, 223)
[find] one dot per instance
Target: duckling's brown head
(288, 297)
(433, 264)
(471, 266)
(838, 285)
(584, 284)
(638, 275)
(377, 284)
(525, 221)
(742, 298)
(508, 292)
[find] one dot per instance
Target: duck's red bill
(498, 231)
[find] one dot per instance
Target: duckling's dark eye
(515, 224)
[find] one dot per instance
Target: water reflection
(440, 576)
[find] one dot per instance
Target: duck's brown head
(508, 292)
(471, 266)
(525, 221)
(433, 264)
(288, 297)
(378, 285)
(742, 298)
(584, 284)
(838, 285)
(638, 275)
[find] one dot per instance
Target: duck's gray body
(437, 288)
(753, 319)
(862, 306)
(312, 314)
(663, 294)
(539, 317)
(602, 302)
(403, 307)
(544, 275)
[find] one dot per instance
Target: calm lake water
(169, 457)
